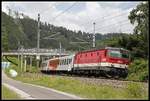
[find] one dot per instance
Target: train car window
(64, 62)
(91, 54)
(70, 60)
(61, 62)
(67, 61)
(85, 54)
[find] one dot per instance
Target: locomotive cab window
(125, 54)
(118, 54)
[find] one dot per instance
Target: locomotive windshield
(118, 54)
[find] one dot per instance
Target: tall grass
(82, 89)
(136, 90)
(8, 94)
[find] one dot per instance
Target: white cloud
(106, 17)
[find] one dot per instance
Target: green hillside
(24, 32)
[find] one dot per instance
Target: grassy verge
(132, 91)
(8, 94)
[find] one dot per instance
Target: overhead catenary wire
(112, 18)
(43, 11)
(123, 27)
(104, 17)
(109, 25)
(107, 16)
(115, 17)
(126, 23)
(64, 11)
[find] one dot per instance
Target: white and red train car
(58, 64)
(111, 60)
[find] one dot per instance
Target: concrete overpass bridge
(41, 52)
(32, 54)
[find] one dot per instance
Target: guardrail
(26, 53)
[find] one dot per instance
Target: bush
(138, 70)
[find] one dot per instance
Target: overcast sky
(108, 16)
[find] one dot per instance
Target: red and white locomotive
(109, 60)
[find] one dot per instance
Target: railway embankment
(84, 88)
(87, 88)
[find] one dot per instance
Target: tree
(4, 39)
(140, 17)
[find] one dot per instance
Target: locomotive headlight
(119, 61)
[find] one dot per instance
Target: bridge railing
(41, 52)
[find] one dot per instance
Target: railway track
(101, 80)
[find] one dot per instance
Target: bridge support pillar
(18, 61)
(42, 59)
(21, 62)
(25, 63)
(30, 63)
(38, 61)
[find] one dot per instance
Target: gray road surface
(36, 92)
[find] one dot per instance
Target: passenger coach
(109, 60)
